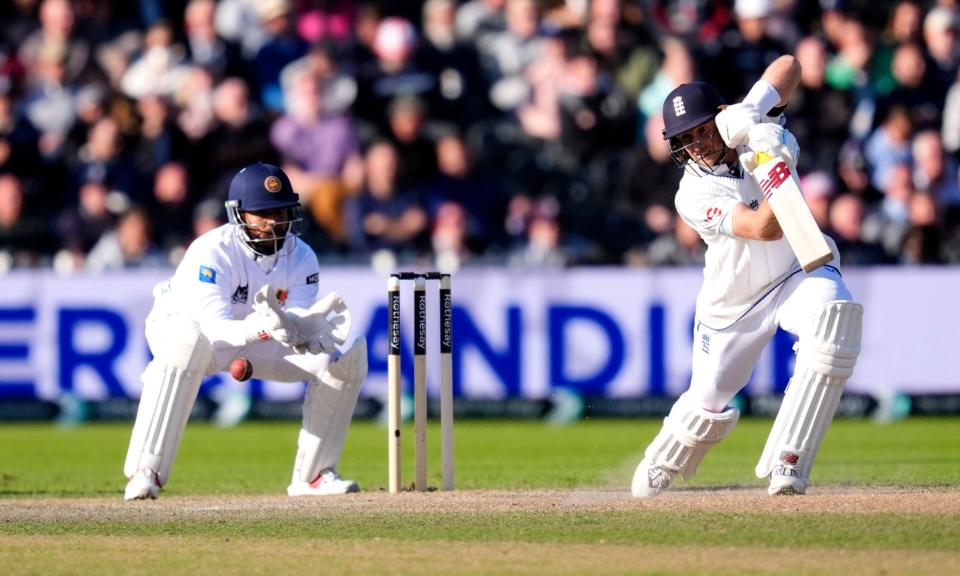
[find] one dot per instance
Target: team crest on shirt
(313, 278)
(240, 294)
(272, 184)
(208, 274)
(281, 296)
(713, 213)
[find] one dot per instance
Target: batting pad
(327, 410)
(687, 435)
(170, 385)
(824, 363)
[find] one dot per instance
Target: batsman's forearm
(759, 224)
(769, 225)
(784, 75)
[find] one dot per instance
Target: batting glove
(734, 121)
(772, 140)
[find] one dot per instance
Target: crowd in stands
(508, 132)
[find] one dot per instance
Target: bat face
(778, 174)
(781, 189)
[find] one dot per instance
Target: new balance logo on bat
(777, 176)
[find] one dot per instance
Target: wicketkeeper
(248, 289)
(752, 284)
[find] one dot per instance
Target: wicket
(394, 379)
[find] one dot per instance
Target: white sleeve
(304, 278)
(202, 287)
(708, 210)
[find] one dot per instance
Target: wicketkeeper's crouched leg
(333, 386)
(327, 410)
(170, 384)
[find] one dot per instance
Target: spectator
(24, 237)
(677, 67)
(172, 204)
(593, 112)
(644, 190)
(281, 47)
(204, 46)
(681, 245)
(625, 55)
(914, 90)
(48, 103)
(819, 190)
(887, 222)
(102, 159)
(161, 67)
(542, 246)
(159, 140)
(18, 140)
(888, 146)
(942, 49)
(846, 224)
(80, 227)
(476, 19)
(316, 145)
(820, 113)
(903, 27)
(406, 117)
(923, 243)
(742, 52)
(338, 90)
(459, 97)
(57, 32)
(130, 245)
(240, 21)
(933, 170)
(240, 137)
(474, 193)
(393, 73)
(449, 237)
(504, 56)
(385, 216)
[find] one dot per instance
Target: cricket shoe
(142, 485)
(327, 483)
(650, 481)
(786, 481)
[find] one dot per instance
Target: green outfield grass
(44, 468)
(256, 457)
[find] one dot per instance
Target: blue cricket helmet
(688, 106)
(262, 187)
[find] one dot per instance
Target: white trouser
(724, 359)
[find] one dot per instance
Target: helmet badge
(272, 184)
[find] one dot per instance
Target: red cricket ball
(241, 369)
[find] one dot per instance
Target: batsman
(248, 290)
(752, 284)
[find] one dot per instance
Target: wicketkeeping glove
(269, 321)
(324, 326)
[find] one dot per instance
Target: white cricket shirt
(738, 272)
(219, 275)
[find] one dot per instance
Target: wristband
(764, 96)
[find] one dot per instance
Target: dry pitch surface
(75, 553)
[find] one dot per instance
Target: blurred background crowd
(509, 132)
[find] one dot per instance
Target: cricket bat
(780, 187)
